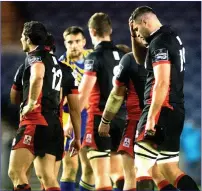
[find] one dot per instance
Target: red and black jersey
(17, 82)
(133, 76)
(101, 63)
(165, 47)
(69, 85)
(49, 98)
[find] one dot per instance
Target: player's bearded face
(25, 46)
(74, 45)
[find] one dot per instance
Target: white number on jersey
(56, 74)
(182, 55)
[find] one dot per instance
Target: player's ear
(28, 40)
(84, 42)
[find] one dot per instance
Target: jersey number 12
(57, 74)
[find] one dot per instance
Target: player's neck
(32, 47)
(101, 39)
(155, 27)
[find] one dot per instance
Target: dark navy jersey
(165, 46)
(101, 63)
(49, 97)
(17, 82)
(69, 85)
(133, 76)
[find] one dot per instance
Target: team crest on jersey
(126, 142)
(34, 59)
(89, 138)
(88, 65)
(27, 139)
(117, 70)
(160, 54)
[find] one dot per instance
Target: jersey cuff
(16, 88)
(90, 73)
(74, 91)
(118, 83)
(38, 62)
(161, 62)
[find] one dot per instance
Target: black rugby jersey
(101, 63)
(133, 76)
(165, 46)
(17, 82)
(69, 85)
(49, 97)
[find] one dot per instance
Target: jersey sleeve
(17, 82)
(160, 51)
(91, 64)
(121, 71)
(35, 58)
(68, 82)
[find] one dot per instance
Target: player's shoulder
(63, 57)
(86, 52)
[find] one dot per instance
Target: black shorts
(93, 140)
(168, 128)
(40, 139)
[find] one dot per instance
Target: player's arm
(16, 89)
(75, 114)
(88, 80)
(36, 81)
(161, 87)
(15, 96)
(138, 48)
(161, 67)
(114, 103)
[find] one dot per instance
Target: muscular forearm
(139, 50)
(36, 84)
(76, 122)
(159, 95)
(113, 105)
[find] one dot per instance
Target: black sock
(186, 183)
(165, 185)
(120, 183)
(23, 187)
(144, 184)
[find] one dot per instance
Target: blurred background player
(95, 86)
(74, 57)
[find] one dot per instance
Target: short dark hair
(73, 30)
(36, 31)
(101, 23)
(50, 42)
(141, 11)
(124, 48)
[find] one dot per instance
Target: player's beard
(75, 55)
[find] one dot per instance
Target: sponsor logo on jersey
(126, 142)
(160, 54)
(34, 59)
(88, 65)
(27, 139)
(89, 138)
(117, 70)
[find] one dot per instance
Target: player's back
(133, 76)
(50, 95)
(102, 62)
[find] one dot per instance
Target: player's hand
(28, 108)
(68, 131)
(103, 130)
(132, 32)
(150, 127)
(74, 147)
